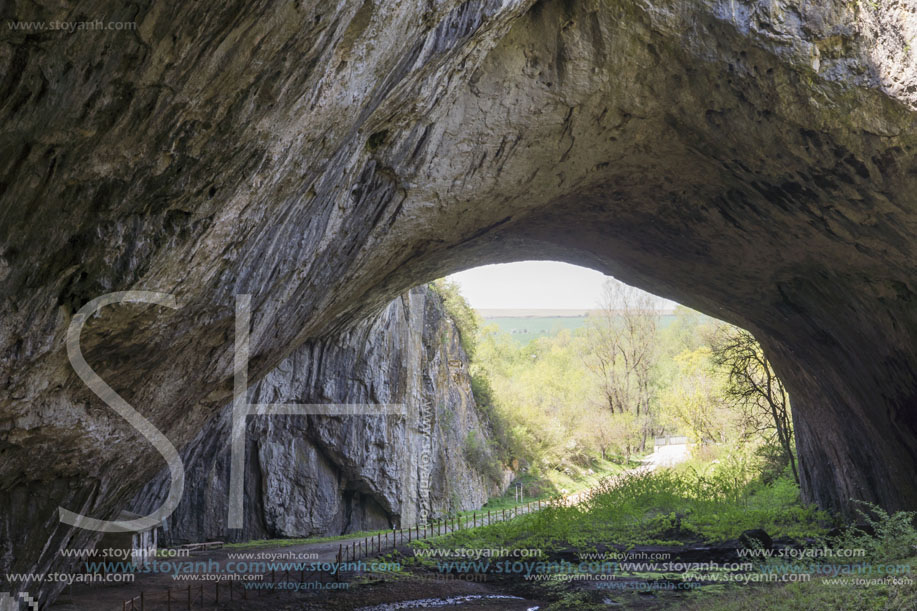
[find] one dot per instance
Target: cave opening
(752, 163)
(591, 368)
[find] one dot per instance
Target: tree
(621, 352)
(694, 401)
(753, 386)
(461, 313)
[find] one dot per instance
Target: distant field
(533, 313)
(526, 328)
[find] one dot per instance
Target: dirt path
(207, 575)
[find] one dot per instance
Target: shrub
(892, 537)
(478, 454)
(460, 311)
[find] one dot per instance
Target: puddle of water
(440, 602)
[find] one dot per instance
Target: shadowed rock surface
(323, 476)
(754, 160)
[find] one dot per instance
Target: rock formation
(754, 159)
(320, 475)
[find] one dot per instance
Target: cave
(753, 160)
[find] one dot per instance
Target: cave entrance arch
(754, 164)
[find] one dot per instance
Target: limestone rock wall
(318, 475)
(754, 159)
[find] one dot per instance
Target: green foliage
(480, 456)
(714, 504)
(558, 403)
(461, 313)
(664, 507)
(755, 391)
(537, 397)
(692, 400)
(884, 537)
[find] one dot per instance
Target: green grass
(708, 503)
(550, 487)
(664, 507)
(552, 483)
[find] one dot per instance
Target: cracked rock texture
(754, 159)
(319, 475)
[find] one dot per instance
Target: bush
(773, 462)
(478, 454)
(461, 313)
(883, 536)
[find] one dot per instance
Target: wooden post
(169, 599)
(189, 595)
(202, 595)
(141, 600)
(409, 535)
(217, 599)
(353, 551)
(504, 514)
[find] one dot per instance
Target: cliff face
(754, 159)
(323, 475)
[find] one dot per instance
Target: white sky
(532, 284)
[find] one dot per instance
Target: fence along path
(198, 596)
(210, 594)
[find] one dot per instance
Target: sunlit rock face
(755, 160)
(320, 475)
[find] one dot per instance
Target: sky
(531, 285)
